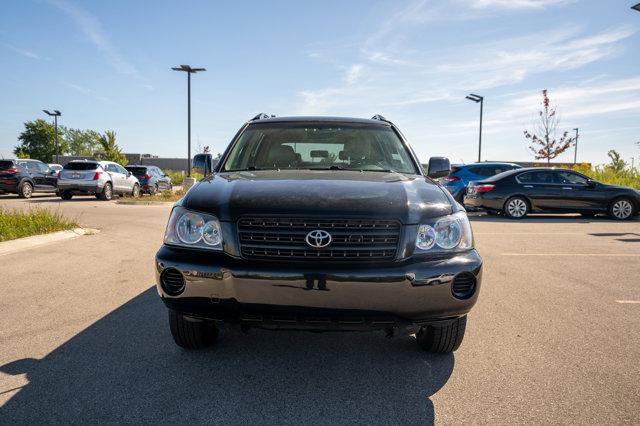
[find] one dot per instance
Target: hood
(319, 193)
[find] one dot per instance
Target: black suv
(319, 223)
(24, 177)
(151, 178)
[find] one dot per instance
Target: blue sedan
(461, 174)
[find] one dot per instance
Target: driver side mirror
(203, 163)
(438, 167)
(128, 173)
(591, 183)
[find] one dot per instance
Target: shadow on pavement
(125, 368)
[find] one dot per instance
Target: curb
(20, 244)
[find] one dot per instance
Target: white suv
(100, 178)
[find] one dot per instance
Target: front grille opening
(464, 285)
(352, 239)
(172, 281)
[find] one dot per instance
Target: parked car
(548, 190)
(24, 177)
(55, 168)
(461, 174)
(283, 237)
(151, 178)
(99, 178)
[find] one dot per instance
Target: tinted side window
(541, 176)
(476, 170)
(571, 178)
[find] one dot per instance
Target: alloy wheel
(622, 209)
(27, 190)
(107, 192)
(136, 191)
(517, 208)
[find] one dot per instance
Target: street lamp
(476, 99)
(189, 71)
(575, 152)
(55, 114)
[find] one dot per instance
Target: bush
(177, 178)
(609, 175)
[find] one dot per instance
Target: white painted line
(631, 302)
(574, 254)
(13, 246)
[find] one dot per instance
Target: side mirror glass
(203, 164)
(438, 167)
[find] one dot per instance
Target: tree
(110, 149)
(82, 142)
(38, 141)
(617, 164)
(542, 139)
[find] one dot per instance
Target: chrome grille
(352, 239)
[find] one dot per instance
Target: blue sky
(106, 66)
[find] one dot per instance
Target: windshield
(81, 166)
(137, 171)
(318, 146)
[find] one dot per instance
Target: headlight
(448, 233)
(193, 229)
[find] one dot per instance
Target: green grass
(161, 197)
(18, 224)
(630, 178)
(178, 177)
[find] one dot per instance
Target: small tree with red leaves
(542, 139)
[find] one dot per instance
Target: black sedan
(517, 193)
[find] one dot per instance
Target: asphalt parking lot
(554, 337)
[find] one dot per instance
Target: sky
(107, 66)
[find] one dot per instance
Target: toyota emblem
(318, 238)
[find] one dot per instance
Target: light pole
(55, 114)
(189, 71)
(476, 99)
(575, 151)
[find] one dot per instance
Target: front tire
(107, 192)
(26, 190)
(66, 195)
(191, 334)
(516, 207)
(442, 337)
(621, 209)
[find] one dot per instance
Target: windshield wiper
(332, 167)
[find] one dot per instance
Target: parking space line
(631, 302)
(574, 254)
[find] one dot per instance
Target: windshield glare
(315, 146)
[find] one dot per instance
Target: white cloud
(92, 29)
(353, 74)
(23, 52)
(517, 4)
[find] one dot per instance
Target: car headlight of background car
(448, 233)
(187, 228)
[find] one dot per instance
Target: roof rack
(262, 116)
(379, 117)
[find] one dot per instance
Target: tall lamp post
(189, 71)
(55, 114)
(476, 99)
(575, 151)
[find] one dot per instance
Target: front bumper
(313, 296)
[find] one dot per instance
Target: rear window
(81, 166)
(137, 171)
(6, 164)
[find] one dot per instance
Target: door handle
(528, 186)
(566, 187)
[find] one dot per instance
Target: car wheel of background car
(66, 195)
(442, 337)
(26, 190)
(516, 207)
(191, 334)
(135, 193)
(621, 209)
(107, 192)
